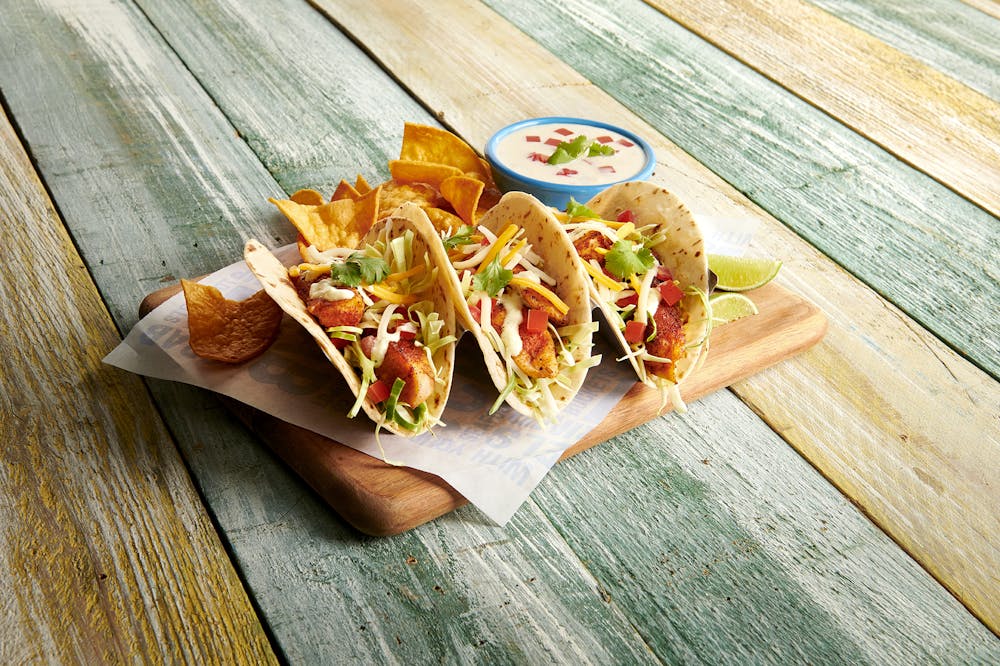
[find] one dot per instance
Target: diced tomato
(537, 321)
(634, 332)
(567, 172)
(626, 216)
(477, 311)
(339, 343)
(631, 299)
(663, 274)
(670, 293)
(378, 391)
(408, 333)
(538, 157)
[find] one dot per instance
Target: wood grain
(943, 128)
(847, 197)
(155, 183)
(947, 35)
(458, 587)
(990, 7)
(821, 402)
(381, 499)
(109, 554)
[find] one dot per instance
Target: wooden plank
(458, 587)
(155, 183)
(990, 7)
(943, 128)
(108, 552)
(846, 196)
(381, 499)
(821, 402)
(947, 35)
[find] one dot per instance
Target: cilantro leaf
(492, 279)
(567, 151)
(600, 149)
(461, 237)
(577, 209)
(623, 260)
(358, 268)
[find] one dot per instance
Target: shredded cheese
(545, 292)
(497, 245)
(391, 296)
(626, 230)
(514, 252)
(402, 275)
(601, 278)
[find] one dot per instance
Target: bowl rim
(643, 173)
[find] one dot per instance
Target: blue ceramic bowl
(558, 195)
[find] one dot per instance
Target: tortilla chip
(489, 198)
(423, 143)
(443, 220)
(361, 185)
(409, 171)
(327, 226)
(229, 331)
(484, 173)
(393, 194)
(345, 191)
(308, 198)
(463, 194)
(366, 210)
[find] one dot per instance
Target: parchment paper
(495, 461)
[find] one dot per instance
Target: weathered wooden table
(841, 507)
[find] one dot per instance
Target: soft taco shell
(683, 252)
(273, 275)
(548, 239)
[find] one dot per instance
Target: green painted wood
(911, 239)
(309, 128)
(107, 553)
(714, 521)
(155, 184)
(948, 35)
(456, 588)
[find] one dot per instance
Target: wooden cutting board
(381, 499)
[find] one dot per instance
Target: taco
(645, 257)
(381, 313)
(525, 300)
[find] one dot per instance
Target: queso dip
(528, 150)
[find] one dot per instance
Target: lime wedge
(742, 273)
(730, 307)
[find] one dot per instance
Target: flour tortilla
(683, 252)
(273, 275)
(549, 241)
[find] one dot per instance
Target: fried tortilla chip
(332, 224)
(308, 198)
(393, 195)
(361, 185)
(410, 171)
(443, 220)
(366, 210)
(423, 143)
(345, 191)
(463, 194)
(229, 331)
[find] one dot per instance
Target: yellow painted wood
(902, 424)
(108, 555)
(991, 7)
(927, 119)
